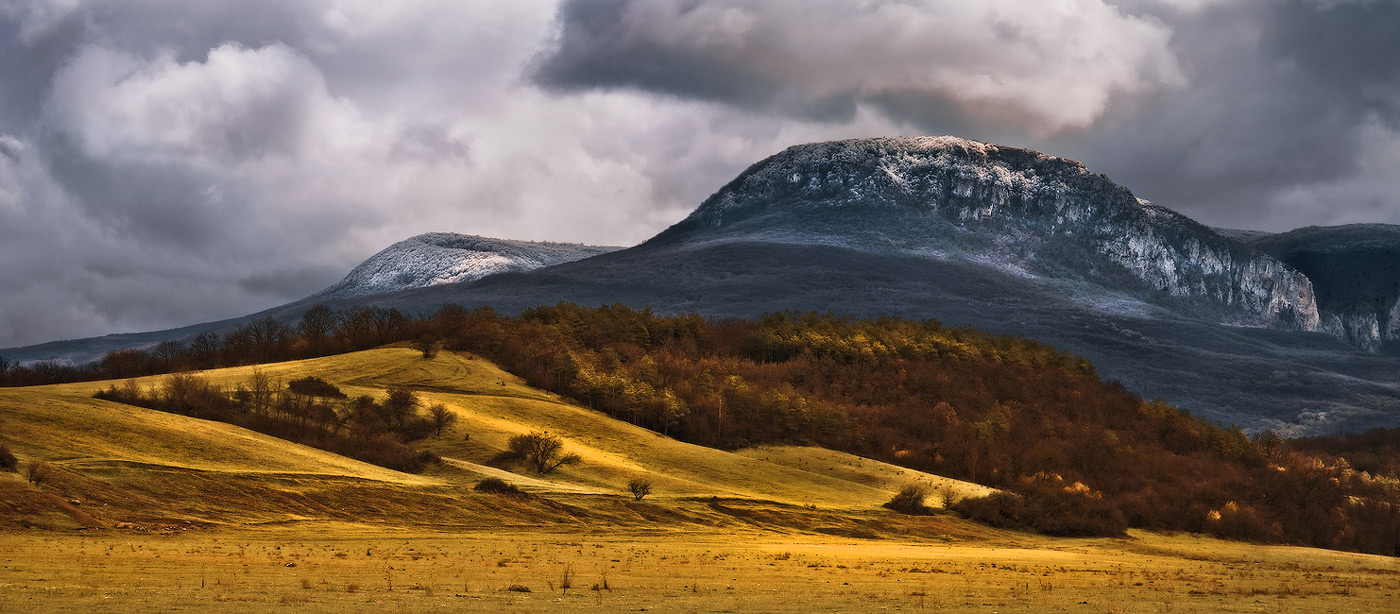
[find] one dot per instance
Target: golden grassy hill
(119, 463)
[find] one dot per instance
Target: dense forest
(1075, 455)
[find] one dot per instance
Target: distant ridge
(439, 258)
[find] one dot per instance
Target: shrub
(428, 345)
(38, 472)
(910, 500)
(497, 486)
(8, 462)
(1047, 510)
(639, 487)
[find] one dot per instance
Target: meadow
(318, 567)
(156, 512)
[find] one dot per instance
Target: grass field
(316, 567)
(149, 511)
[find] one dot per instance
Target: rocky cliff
(1355, 270)
(957, 198)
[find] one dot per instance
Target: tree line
(307, 410)
(319, 332)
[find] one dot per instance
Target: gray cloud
(1287, 101)
(1044, 67)
(167, 163)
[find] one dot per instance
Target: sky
(165, 163)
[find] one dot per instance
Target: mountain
(1005, 239)
(439, 258)
(422, 261)
(1035, 215)
(1355, 270)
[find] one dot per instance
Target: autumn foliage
(1076, 455)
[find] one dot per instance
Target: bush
(38, 472)
(1047, 510)
(8, 462)
(910, 500)
(497, 486)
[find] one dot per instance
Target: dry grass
(335, 568)
(178, 514)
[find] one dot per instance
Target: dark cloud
(167, 163)
(1282, 105)
(1347, 48)
(1040, 66)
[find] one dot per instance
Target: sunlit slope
(67, 427)
(120, 446)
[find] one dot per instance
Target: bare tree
(639, 487)
(441, 416)
(166, 354)
(261, 389)
(316, 324)
(542, 451)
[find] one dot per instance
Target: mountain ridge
(1008, 240)
(1031, 198)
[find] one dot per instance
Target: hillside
(180, 514)
(127, 464)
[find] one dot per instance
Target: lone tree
(441, 417)
(542, 451)
(428, 344)
(639, 487)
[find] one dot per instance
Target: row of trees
(319, 332)
(308, 410)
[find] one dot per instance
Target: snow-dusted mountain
(1018, 210)
(439, 258)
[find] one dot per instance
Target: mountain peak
(888, 171)
(1022, 211)
(439, 258)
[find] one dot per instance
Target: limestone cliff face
(1019, 198)
(1355, 270)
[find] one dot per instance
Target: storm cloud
(1044, 66)
(165, 163)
